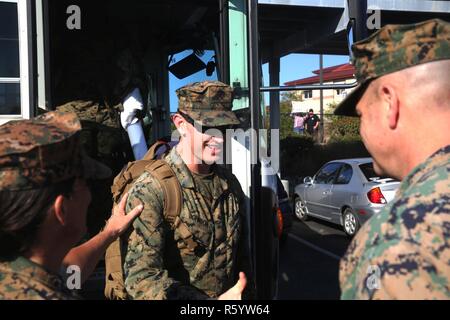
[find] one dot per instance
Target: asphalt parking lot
(309, 261)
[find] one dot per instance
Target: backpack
(114, 257)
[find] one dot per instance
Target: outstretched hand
(120, 220)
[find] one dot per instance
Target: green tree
(341, 128)
(291, 96)
(286, 120)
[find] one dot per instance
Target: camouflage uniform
(42, 151)
(394, 48)
(34, 154)
(102, 139)
(95, 93)
(407, 243)
(22, 279)
(404, 251)
(158, 263)
(208, 103)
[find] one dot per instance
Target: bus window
(193, 74)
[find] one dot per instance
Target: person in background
(312, 124)
(299, 122)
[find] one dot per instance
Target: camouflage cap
(45, 150)
(394, 48)
(208, 103)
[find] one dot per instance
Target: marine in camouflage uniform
(159, 264)
(96, 93)
(22, 279)
(35, 154)
(403, 252)
(407, 245)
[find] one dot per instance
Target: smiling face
(206, 144)
(199, 145)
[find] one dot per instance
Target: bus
(55, 52)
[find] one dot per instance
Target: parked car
(345, 192)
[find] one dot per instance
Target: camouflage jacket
(22, 279)
(403, 252)
(158, 264)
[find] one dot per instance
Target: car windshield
(369, 172)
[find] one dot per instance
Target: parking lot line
(314, 247)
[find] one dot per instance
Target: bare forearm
(87, 255)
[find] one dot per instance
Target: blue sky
(175, 83)
(292, 67)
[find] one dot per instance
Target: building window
(9, 59)
(9, 98)
(307, 94)
(14, 102)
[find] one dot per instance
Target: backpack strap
(115, 285)
(172, 199)
(123, 181)
(152, 151)
(114, 282)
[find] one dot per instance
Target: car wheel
(300, 209)
(351, 224)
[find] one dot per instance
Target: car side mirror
(308, 180)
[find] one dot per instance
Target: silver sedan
(345, 192)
